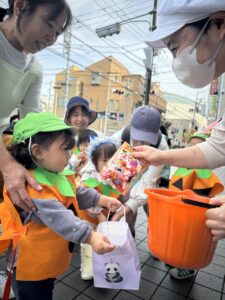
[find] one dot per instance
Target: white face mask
(189, 71)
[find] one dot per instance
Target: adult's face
(78, 118)
(37, 30)
(207, 45)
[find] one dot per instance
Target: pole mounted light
(115, 28)
(108, 30)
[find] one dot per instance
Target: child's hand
(99, 243)
(109, 202)
(81, 156)
(119, 214)
(94, 211)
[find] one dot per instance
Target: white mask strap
(221, 44)
(200, 35)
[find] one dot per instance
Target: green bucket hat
(37, 122)
(199, 135)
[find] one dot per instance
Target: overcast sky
(127, 47)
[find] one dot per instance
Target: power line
(112, 45)
(100, 16)
(137, 33)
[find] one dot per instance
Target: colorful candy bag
(122, 168)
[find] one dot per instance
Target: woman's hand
(99, 243)
(15, 179)
(149, 155)
(216, 218)
(109, 202)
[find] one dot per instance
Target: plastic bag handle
(199, 204)
(124, 213)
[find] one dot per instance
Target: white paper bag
(119, 269)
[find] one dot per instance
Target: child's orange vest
(48, 254)
(201, 181)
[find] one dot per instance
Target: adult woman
(194, 31)
(31, 26)
(78, 114)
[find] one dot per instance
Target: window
(111, 105)
(61, 103)
(114, 105)
(96, 78)
(116, 78)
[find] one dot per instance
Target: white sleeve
(148, 180)
(32, 100)
(214, 148)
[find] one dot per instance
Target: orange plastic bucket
(177, 233)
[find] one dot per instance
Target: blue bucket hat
(79, 101)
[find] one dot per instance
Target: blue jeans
(32, 290)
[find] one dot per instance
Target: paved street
(156, 283)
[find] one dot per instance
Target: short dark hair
(106, 150)
(125, 137)
(21, 152)
(58, 7)
(85, 136)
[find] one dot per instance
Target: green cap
(199, 135)
(37, 122)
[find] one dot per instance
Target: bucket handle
(199, 204)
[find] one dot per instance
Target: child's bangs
(106, 151)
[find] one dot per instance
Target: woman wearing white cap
(194, 31)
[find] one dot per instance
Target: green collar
(76, 150)
(201, 173)
(91, 182)
(59, 180)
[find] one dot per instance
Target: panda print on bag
(111, 272)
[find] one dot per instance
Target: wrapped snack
(122, 168)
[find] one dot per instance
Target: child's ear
(37, 151)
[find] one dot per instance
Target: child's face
(102, 161)
(83, 146)
(53, 158)
(78, 118)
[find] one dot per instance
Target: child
(144, 130)
(40, 240)
(100, 151)
(79, 158)
(201, 181)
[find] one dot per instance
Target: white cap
(172, 15)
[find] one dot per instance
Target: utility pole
(149, 52)
(67, 51)
(193, 119)
(220, 106)
(107, 106)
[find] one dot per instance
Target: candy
(122, 168)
